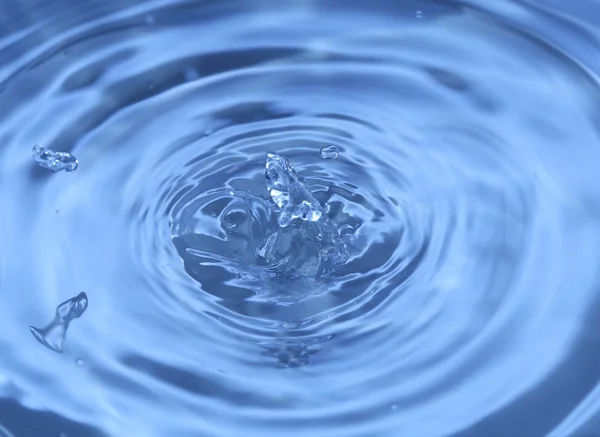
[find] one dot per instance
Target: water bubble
(80, 363)
(346, 229)
(54, 161)
(53, 335)
(208, 132)
(57, 211)
(330, 152)
(419, 14)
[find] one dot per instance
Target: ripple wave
(468, 144)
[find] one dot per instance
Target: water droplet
(330, 152)
(419, 14)
(54, 161)
(80, 363)
(150, 19)
(208, 132)
(191, 74)
(57, 211)
(213, 214)
(53, 335)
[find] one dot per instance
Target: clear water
(445, 282)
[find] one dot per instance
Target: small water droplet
(213, 214)
(57, 211)
(150, 19)
(208, 132)
(330, 152)
(54, 161)
(80, 363)
(419, 14)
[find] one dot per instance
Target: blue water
(444, 284)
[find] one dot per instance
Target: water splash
(53, 336)
(289, 192)
(314, 247)
(330, 152)
(55, 161)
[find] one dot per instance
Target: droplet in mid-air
(53, 335)
(330, 152)
(54, 161)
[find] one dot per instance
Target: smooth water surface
(300, 218)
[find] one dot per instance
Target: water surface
(458, 296)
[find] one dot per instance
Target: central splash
(290, 192)
(307, 243)
(270, 238)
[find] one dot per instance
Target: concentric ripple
(465, 190)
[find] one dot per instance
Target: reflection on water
(421, 259)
